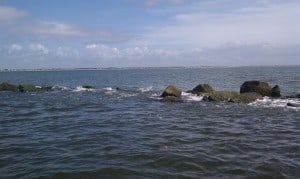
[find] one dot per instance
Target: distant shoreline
(129, 68)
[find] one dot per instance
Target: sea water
(121, 129)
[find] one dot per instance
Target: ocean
(122, 129)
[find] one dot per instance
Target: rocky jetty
(249, 92)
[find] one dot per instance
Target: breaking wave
(191, 97)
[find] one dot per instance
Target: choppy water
(74, 132)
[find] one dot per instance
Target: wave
(62, 88)
(147, 89)
(273, 103)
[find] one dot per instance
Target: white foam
(273, 103)
(108, 89)
(191, 97)
(80, 88)
(147, 89)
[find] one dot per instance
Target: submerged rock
(202, 88)
(171, 99)
(293, 96)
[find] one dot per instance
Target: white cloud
(15, 48)
(10, 14)
(155, 2)
(39, 49)
(103, 51)
(53, 29)
(65, 52)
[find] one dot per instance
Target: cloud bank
(189, 33)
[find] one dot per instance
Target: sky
(148, 33)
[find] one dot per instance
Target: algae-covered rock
(259, 87)
(221, 95)
(23, 88)
(245, 98)
(172, 91)
(8, 87)
(32, 88)
(202, 88)
(232, 96)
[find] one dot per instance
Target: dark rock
(21, 88)
(259, 87)
(293, 104)
(87, 87)
(171, 91)
(275, 92)
(202, 88)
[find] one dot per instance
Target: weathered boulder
(259, 87)
(202, 88)
(171, 91)
(275, 92)
(232, 96)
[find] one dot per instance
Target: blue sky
(142, 33)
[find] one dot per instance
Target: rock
(171, 91)
(293, 104)
(232, 96)
(275, 92)
(202, 88)
(259, 87)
